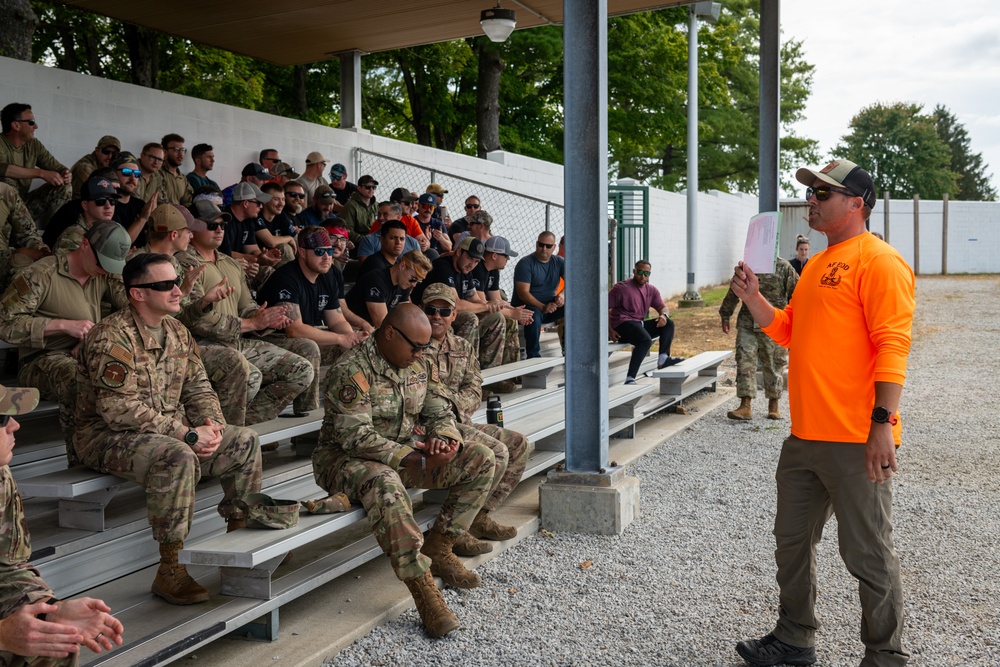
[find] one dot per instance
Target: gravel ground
(695, 572)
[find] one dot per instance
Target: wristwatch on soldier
(882, 415)
(191, 437)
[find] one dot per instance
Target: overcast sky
(924, 51)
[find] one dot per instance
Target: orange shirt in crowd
(412, 226)
(848, 322)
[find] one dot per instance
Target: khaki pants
(816, 480)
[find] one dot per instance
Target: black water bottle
(494, 411)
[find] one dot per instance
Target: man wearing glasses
(176, 186)
(52, 304)
(147, 413)
(628, 319)
(97, 199)
(360, 210)
(23, 159)
(370, 447)
(311, 287)
(460, 226)
(151, 180)
(848, 331)
(342, 187)
(131, 211)
(536, 279)
(103, 155)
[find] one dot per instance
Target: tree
(902, 151)
(16, 29)
(973, 180)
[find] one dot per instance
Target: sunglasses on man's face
(29, 121)
(295, 195)
(547, 246)
(103, 201)
(319, 252)
(215, 226)
(109, 150)
(416, 347)
(822, 193)
(472, 206)
(4, 419)
(435, 310)
(640, 272)
(127, 171)
(160, 285)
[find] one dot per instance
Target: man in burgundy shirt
(628, 308)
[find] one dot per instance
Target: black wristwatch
(191, 437)
(882, 415)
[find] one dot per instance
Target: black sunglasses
(822, 193)
(416, 348)
(215, 226)
(434, 310)
(109, 150)
(4, 419)
(295, 195)
(472, 206)
(29, 121)
(102, 201)
(547, 246)
(324, 251)
(160, 285)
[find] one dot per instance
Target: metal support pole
(350, 90)
(770, 99)
(885, 216)
(586, 188)
(692, 160)
(916, 234)
(944, 235)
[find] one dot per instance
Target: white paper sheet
(761, 248)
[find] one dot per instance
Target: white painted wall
(74, 110)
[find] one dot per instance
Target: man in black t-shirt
(311, 288)
(378, 292)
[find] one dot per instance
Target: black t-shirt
(238, 234)
(374, 262)
(70, 212)
(289, 284)
(345, 194)
(457, 227)
(374, 287)
(484, 279)
(444, 272)
(281, 225)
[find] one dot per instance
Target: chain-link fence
(516, 217)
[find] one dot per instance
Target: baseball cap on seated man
(205, 210)
(324, 192)
(842, 173)
(367, 179)
(17, 400)
(440, 292)
(428, 198)
(111, 243)
(473, 246)
(98, 188)
(169, 218)
(436, 189)
(285, 169)
(314, 237)
(402, 194)
(249, 192)
(499, 245)
(337, 170)
(316, 158)
(255, 169)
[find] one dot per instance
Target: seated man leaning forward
(451, 361)
(35, 627)
(378, 398)
(146, 412)
(628, 311)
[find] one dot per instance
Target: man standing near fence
(848, 327)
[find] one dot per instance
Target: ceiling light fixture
(498, 23)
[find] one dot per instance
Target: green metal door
(629, 206)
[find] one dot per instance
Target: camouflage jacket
(144, 189)
(776, 287)
(32, 155)
(20, 583)
(222, 322)
(454, 364)
(17, 229)
(81, 170)
(45, 291)
(127, 382)
(176, 188)
(372, 407)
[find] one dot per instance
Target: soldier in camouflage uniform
(23, 159)
(375, 396)
(35, 628)
(753, 344)
(97, 199)
(146, 412)
(20, 242)
(151, 164)
(51, 305)
(285, 374)
(452, 362)
(234, 380)
(106, 152)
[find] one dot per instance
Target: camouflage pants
(54, 375)
(44, 201)
(382, 491)
(508, 446)
(234, 380)
(512, 342)
(486, 332)
(11, 660)
(14, 216)
(284, 375)
(317, 355)
(170, 471)
(751, 345)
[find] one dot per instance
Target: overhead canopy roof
(305, 31)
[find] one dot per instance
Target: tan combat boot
(172, 582)
(235, 524)
(743, 412)
(773, 412)
(437, 618)
(467, 545)
(487, 529)
(445, 564)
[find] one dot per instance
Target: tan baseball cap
(440, 292)
(17, 400)
(167, 218)
(315, 158)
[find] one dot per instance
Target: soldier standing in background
(753, 344)
(375, 396)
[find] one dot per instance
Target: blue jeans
(533, 331)
(640, 336)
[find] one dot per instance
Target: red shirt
(628, 302)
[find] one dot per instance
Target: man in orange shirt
(849, 323)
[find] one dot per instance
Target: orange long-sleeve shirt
(848, 326)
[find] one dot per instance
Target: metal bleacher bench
(691, 375)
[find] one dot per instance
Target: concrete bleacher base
(599, 503)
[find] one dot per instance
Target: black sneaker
(769, 650)
(670, 361)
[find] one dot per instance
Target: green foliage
(901, 149)
(973, 179)
(211, 74)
